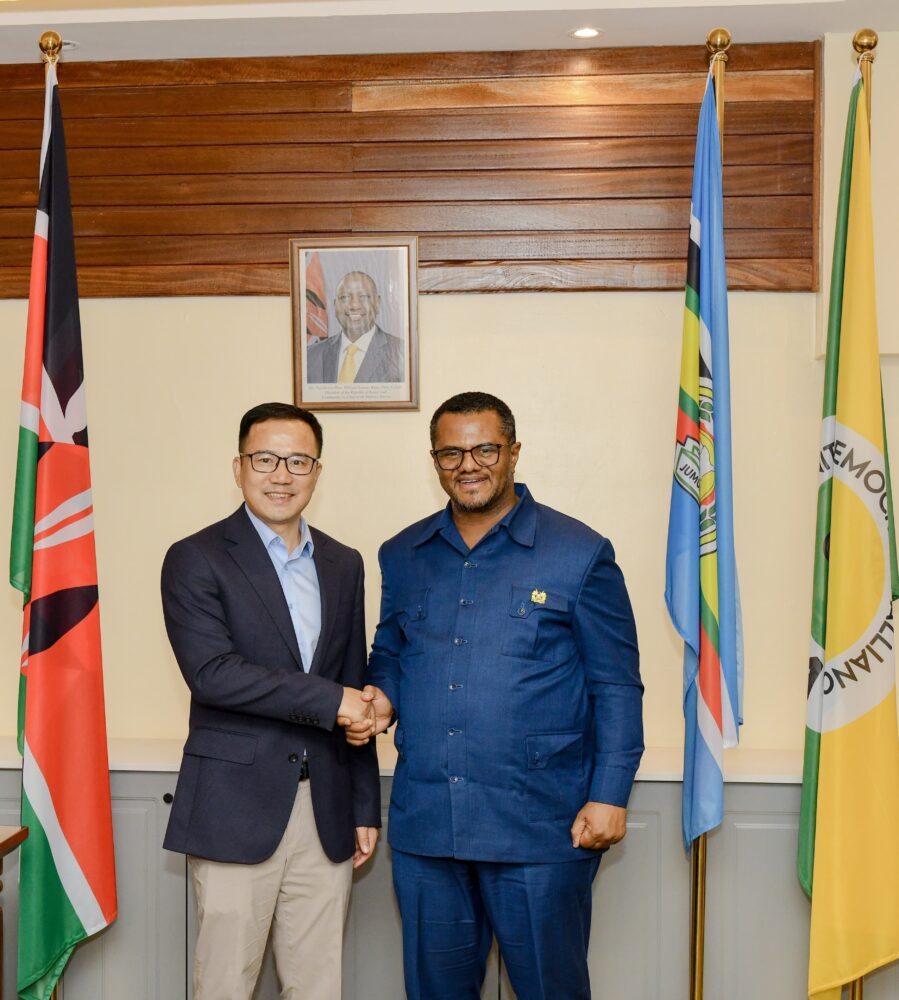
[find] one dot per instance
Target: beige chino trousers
(298, 892)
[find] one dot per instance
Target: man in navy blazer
(362, 352)
(507, 651)
(273, 807)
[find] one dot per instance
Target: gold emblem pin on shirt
(538, 597)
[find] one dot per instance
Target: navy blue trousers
(540, 914)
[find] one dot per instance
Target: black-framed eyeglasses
(485, 455)
(268, 461)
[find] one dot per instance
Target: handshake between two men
(364, 714)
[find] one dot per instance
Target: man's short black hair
(476, 402)
(278, 411)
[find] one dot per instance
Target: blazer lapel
(252, 559)
(329, 588)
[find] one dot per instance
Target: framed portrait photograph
(355, 322)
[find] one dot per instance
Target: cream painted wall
(592, 379)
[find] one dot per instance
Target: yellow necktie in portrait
(347, 372)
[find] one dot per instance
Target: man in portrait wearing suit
(362, 352)
(273, 807)
(507, 651)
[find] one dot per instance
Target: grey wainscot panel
(757, 927)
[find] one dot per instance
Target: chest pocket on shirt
(412, 616)
(532, 614)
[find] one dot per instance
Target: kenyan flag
(67, 874)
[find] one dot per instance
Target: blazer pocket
(556, 750)
(412, 615)
(529, 611)
(555, 777)
(236, 748)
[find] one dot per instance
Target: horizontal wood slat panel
(272, 279)
(660, 88)
(181, 101)
(669, 213)
(189, 220)
(268, 189)
(126, 281)
(647, 151)
(638, 276)
(533, 154)
(512, 123)
(162, 160)
(568, 169)
(428, 65)
(272, 248)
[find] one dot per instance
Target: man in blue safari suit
(508, 653)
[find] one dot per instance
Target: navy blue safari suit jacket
(253, 710)
(513, 670)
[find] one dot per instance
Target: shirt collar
(520, 522)
(362, 344)
(269, 536)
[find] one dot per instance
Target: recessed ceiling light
(586, 32)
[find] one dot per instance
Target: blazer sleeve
(216, 673)
(607, 639)
(363, 760)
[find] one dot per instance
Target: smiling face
(278, 498)
(356, 304)
(475, 489)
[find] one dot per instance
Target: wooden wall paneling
(565, 169)
(155, 102)
(543, 276)
(563, 154)
(494, 186)
(153, 251)
(647, 88)
(416, 127)
(427, 65)
(787, 212)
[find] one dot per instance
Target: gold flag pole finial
(864, 41)
(50, 45)
(718, 42)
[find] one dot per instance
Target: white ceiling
(160, 29)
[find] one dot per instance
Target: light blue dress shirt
(299, 581)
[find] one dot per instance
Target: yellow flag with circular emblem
(849, 826)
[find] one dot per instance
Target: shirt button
(458, 641)
(455, 779)
(468, 564)
(453, 732)
(521, 612)
(466, 603)
(293, 758)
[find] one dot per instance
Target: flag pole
(50, 44)
(864, 42)
(697, 917)
(717, 42)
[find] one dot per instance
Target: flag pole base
(697, 917)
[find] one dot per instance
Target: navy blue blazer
(513, 670)
(383, 361)
(253, 710)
